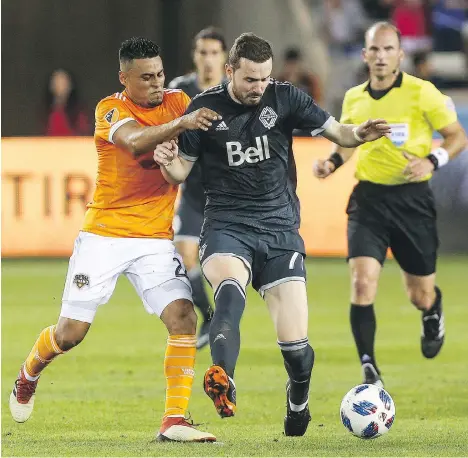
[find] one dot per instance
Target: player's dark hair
(138, 48)
(210, 33)
(250, 47)
(385, 25)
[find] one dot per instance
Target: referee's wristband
(357, 136)
(439, 157)
(336, 159)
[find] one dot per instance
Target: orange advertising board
(46, 184)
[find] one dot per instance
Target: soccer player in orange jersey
(128, 230)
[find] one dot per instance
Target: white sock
(298, 408)
(30, 377)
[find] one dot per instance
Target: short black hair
(138, 48)
(210, 33)
(385, 25)
(250, 47)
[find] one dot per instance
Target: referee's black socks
(298, 358)
(363, 325)
(224, 329)
(437, 302)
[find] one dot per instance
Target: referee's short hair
(384, 25)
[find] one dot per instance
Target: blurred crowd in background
(60, 58)
(325, 61)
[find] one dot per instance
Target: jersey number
(180, 269)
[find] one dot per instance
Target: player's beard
(246, 99)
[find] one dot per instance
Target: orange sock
(178, 369)
(44, 351)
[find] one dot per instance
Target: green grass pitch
(106, 397)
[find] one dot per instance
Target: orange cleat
(222, 391)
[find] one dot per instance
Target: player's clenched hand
(417, 168)
(323, 168)
(373, 129)
(200, 119)
(165, 153)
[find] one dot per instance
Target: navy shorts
(271, 257)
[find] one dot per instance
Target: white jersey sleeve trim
(116, 126)
(325, 126)
(187, 157)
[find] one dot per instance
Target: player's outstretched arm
(174, 168)
(351, 136)
(139, 140)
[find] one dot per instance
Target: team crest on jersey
(112, 116)
(81, 280)
(268, 117)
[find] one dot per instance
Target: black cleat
(370, 373)
(295, 423)
(433, 332)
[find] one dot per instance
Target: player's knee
(421, 298)
(69, 333)
(180, 317)
(298, 362)
(364, 287)
(67, 340)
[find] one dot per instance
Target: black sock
(200, 298)
(224, 328)
(298, 360)
(437, 302)
(363, 325)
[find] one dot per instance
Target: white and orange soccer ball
(367, 411)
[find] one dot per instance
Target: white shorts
(97, 262)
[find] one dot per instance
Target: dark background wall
(84, 36)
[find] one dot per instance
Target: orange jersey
(132, 199)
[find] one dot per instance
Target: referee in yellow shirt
(392, 205)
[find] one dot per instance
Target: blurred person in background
(344, 23)
(449, 18)
(209, 57)
(378, 10)
(127, 231)
(410, 17)
(422, 68)
(392, 206)
(66, 115)
(295, 72)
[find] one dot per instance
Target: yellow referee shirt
(414, 108)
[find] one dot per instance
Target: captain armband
(439, 157)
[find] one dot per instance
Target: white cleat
(22, 398)
(177, 429)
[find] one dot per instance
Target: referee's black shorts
(401, 217)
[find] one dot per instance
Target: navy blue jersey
(193, 191)
(192, 188)
(247, 162)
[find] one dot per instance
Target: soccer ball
(367, 411)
